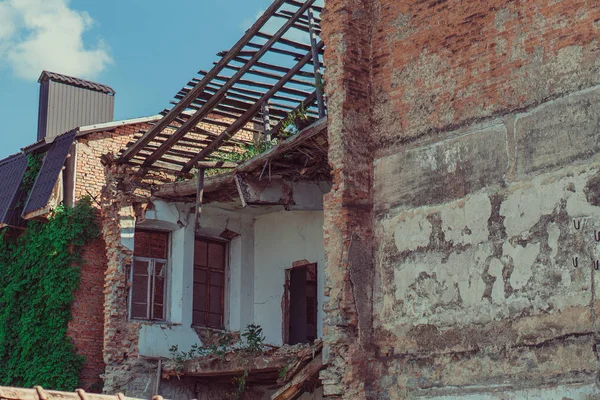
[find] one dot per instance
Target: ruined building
(422, 223)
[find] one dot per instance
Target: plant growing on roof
(34, 164)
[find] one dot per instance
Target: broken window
(300, 304)
(148, 275)
(209, 283)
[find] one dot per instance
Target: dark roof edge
(78, 82)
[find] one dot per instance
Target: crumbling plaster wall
(463, 141)
(282, 238)
(484, 278)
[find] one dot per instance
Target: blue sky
(145, 49)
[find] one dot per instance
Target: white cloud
(47, 34)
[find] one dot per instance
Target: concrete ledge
(442, 171)
(558, 133)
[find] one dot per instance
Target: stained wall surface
(460, 231)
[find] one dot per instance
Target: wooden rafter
(244, 90)
(243, 120)
(199, 88)
(197, 117)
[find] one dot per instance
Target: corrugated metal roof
(51, 167)
(69, 80)
(12, 170)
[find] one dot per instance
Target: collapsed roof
(269, 78)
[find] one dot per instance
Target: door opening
(300, 316)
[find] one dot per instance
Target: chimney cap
(69, 80)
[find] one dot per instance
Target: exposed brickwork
(120, 335)
(86, 327)
(438, 64)
(348, 207)
(90, 172)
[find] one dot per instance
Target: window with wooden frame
(148, 275)
(209, 283)
(300, 304)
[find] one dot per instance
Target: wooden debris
(298, 383)
(256, 164)
(38, 393)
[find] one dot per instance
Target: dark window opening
(209, 283)
(300, 314)
(148, 275)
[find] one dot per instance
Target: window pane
(159, 289)
(216, 256)
(215, 299)
(159, 313)
(199, 297)
(217, 278)
(200, 275)
(138, 311)
(139, 290)
(199, 318)
(215, 321)
(200, 251)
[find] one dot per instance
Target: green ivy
(34, 164)
(38, 275)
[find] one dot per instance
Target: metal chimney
(67, 103)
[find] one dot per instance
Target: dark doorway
(301, 304)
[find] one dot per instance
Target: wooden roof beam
(252, 92)
(246, 82)
(303, 18)
(199, 88)
(237, 105)
(198, 116)
(269, 75)
(237, 125)
(281, 106)
(299, 3)
(277, 68)
(287, 42)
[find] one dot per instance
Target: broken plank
(295, 387)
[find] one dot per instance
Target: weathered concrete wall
(464, 145)
(281, 239)
(476, 239)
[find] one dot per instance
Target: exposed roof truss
(269, 77)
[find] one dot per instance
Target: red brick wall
(87, 327)
(440, 63)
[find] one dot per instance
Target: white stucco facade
(280, 239)
(265, 247)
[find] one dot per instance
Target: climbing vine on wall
(38, 274)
